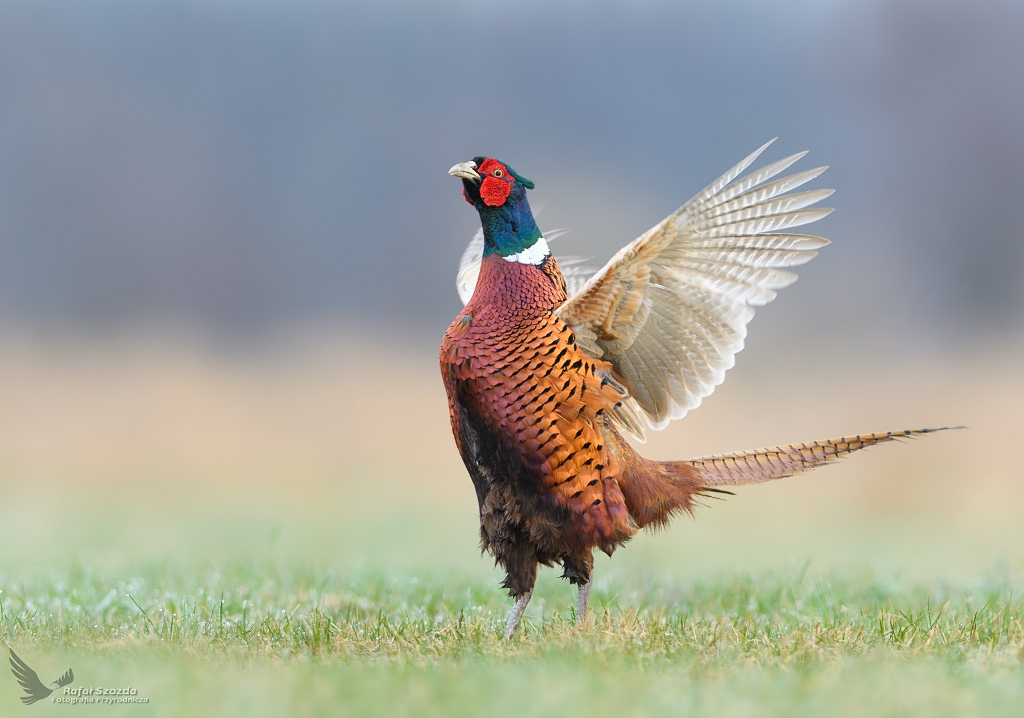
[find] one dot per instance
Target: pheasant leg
(517, 613)
(583, 602)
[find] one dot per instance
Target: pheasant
(544, 384)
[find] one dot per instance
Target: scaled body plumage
(527, 413)
(542, 386)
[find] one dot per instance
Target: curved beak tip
(465, 170)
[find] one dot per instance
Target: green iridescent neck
(510, 228)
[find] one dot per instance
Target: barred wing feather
(670, 309)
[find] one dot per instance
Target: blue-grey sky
(241, 165)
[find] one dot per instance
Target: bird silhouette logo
(34, 688)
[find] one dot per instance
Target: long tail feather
(759, 465)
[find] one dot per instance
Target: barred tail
(758, 465)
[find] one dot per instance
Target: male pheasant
(542, 386)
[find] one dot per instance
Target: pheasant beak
(465, 170)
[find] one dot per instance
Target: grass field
(295, 536)
(270, 641)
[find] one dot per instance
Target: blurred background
(228, 246)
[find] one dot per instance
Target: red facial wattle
(494, 191)
(497, 183)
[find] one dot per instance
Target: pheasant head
(498, 193)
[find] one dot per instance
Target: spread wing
(28, 680)
(670, 310)
(574, 269)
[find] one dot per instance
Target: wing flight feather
(670, 309)
(469, 267)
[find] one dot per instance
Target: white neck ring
(535, 254)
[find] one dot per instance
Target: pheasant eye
(498, 173)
